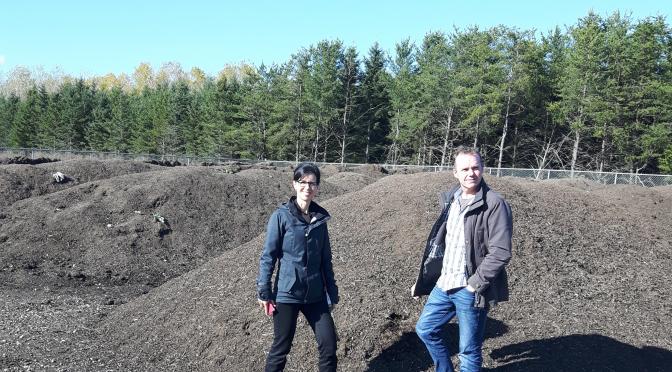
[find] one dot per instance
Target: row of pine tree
(596, 96)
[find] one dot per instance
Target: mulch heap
(588, 287)
(21, 182)
(142, 224)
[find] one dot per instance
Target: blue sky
(91, 37)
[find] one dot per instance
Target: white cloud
(2, 59)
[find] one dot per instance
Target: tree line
(596, 96)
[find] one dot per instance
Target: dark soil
(91, 280)
(26, 160)
(21, 182)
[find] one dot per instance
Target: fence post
(615, 177)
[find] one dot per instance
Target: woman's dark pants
(284, 325)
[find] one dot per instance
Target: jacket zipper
(305, 265)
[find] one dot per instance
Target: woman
(298, 240)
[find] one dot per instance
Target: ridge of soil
(19, 182)
(586, 278)
(107, 231)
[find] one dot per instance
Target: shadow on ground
(567, 353)
(580, 353)
(409, 354)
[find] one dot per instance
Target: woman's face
(306, 187)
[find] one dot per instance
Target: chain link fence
(648, 180)
(615, 178)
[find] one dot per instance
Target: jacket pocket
(287, 278)
(315, 287)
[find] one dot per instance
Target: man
(462, 267)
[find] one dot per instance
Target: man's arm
(500, 231)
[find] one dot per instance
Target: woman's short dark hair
(306, 168)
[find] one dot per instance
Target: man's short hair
(467, 150)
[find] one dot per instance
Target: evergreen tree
(181, 102)
(24, 131)
(478, 79)
(518, 61)
(283, 141)
(121, 121)
(437, 100)
(163, 130)
(232, 137)
(301, 104)
(613, 86)
(255, 109)
(549, 136)
(8, 108)
(580, 81)
(76, 103)
(349, 76)
(647, 132)
(98, 132)
(373, 119)
(324, 90)
(141, 129)
(403, 96)
(47, 119)
(204, 113)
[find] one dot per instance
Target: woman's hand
(267, 306)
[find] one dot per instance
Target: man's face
(468, 171)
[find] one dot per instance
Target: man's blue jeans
(440, 308)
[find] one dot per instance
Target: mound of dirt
(406, 170)
(577, 183)
(26, 160)
(350, 181)
(23, 181)
(135, 228)
(587, 276)
(582, 274)
(329, 170)
(283, 181)
(106, 231)
(372, 170)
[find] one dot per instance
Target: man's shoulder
(495, 200)
(494, 195)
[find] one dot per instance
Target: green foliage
(597, 96)
(370, 140)
(8, 108)
(26, 119)
(666, 161)
(404, 103)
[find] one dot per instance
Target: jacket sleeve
(500, 229)
(328, 269)
(272, 251)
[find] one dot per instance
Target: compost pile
(132, 266)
